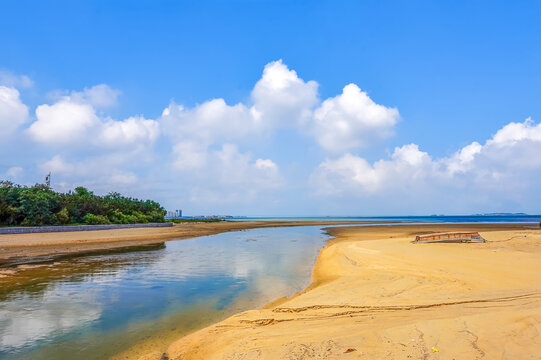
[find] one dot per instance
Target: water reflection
(26, 320)
(36, 278)
(94, 306)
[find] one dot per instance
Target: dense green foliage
(39, 205)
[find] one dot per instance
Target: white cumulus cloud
(134, 130)
(282, 98)
(13, 113)
(73, 120)
(64, 122)
(503, 169)
(351, 120)
(210, 122)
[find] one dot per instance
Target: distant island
(502, 214)
(486, 214)
(40, 205)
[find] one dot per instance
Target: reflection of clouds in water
(272, 264)
(225, 267)
(226, 254)
(28, 319)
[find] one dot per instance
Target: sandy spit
(375, 295)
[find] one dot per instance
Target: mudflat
(376, 295)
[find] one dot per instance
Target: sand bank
(375, 295)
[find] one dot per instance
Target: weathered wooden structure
(449, 237)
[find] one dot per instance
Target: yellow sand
(375, 295)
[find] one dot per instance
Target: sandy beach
(375, 295)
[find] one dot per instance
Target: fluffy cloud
(134, 130)
(62, 123)
(91, 149)
(210, 122)
(513, 133)
(202, 136)
(488, 170)
(204, 149)
(351, 172)
(351, 120)
(281, 98)
(13, 113)
(73, 120)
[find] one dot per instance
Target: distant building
(175, 214)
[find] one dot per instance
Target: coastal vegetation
(40, 205)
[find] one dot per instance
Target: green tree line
(39, 205)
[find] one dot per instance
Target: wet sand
(375, 295)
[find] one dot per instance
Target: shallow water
(96, 306)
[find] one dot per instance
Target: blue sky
(431, 79)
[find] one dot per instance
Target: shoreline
(343, 293)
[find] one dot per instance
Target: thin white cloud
(266, 164)
(227, 175)
(10, 79)
(14, 172)
(189, 155)
(99, 96)
(101, 171)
